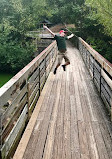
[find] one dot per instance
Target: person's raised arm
(70, 36)
(44, 26)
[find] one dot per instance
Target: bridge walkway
(70, 120)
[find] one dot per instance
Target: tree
(102, 10)
(15, 50)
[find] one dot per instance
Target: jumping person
(61, 47)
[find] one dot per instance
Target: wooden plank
(12, 85)
(44, 128)
(39, 121)
(58, 141)
(83, 140)
(99, 107)
(33, 85)
(71, 87)
(90, 105)
(106, 86)
(26, 136)
(104, 63)
(103, 115)
(89, 131)
(97, 85)
(12, 120)
(107, 79)
(92, 146)
(51, 132)
(98, 113)
(97, 66)
(107, 138)
(105, 130)
(42, 72)
(78, 103)
(66, 154)
(75, 148)
(14, 104)
(12, 136)
(33, 104)
(99, 141)
(32, 96)
(91, 89)
(111, 107)
(93, 138)
(105, 93)
(97, 73)
(42, 78)
(97, 78)
(42, 65)
(34, 75)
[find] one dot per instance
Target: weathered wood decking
(70, 120)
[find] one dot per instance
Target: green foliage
(108, 54)
(103, 46)
(65, 11)
(13, 56)
(102, 10)
(4, 77)
(93, 21)
(16, 18)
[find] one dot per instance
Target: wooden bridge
(71, 114)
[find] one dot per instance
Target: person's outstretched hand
(44, 26)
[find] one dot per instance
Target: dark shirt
(61, 42)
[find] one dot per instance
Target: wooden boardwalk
(70, 120)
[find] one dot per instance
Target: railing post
(111, 106)
(28, 101)
(45, 70)
(86, 56)
(89, 61)
(52, 54)
(93, 68)
(0, 132)
(39, 80)
(100, 79)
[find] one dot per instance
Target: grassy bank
(4, 77)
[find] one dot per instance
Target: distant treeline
(92, 18)
(93, 23)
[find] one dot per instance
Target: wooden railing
(100, 70)
(18, 98)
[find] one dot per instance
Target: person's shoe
(55, 71)
(64, 67)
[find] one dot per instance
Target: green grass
(4, 77)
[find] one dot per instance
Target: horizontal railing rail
(19, 95)
(100, 70)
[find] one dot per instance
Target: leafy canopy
(102, 10)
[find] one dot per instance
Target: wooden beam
(26, 136)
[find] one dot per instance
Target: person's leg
(56, 68)
(59, 62)
(67, 62)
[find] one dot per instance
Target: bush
(13, 56)
(101, 46)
